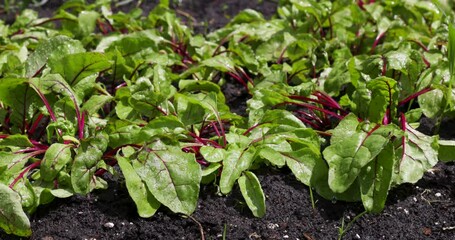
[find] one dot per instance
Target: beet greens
(336, 90)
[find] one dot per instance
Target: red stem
(314, 108)
(376, 41)
(403, 139)
(35, 124)
(414, 95)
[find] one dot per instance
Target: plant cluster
(336, 90)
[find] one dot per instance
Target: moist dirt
(425, 210)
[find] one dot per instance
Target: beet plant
(334, 90)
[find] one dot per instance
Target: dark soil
(425, 210)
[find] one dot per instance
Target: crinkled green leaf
(251, 190)
(13, 220)
(415, 157)
(171, 175)
(85, 163)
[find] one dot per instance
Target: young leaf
(23, 101)
(212, 154)
(375, 180)
(351, 149)
(85, 163)
(15, 141)
(13, 220)
(87, 22)
(122, 135)
(383, 92)
(415, 157)
(252, 193)
(303, 160)
(169, 126)
(189, 109)
(52, 49)
(55, 158)
(145, 202)
(236, 161)
(95, 103)
(172, 176)
(74, 67)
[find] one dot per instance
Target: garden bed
(425, 210)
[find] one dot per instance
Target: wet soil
(425, 210)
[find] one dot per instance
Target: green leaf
(52, 49)
(15, 141)
(85, 163)
(220, 62)
(446, 151)
(236, 161)
(415, 157)
(145, 202)
(13, 164)
(23, 101)
(189, 109)
(375, 180)
(252, 193)
(212, 154)
(75, 67)
(171, 175)
(383, 92)
(54, 83)
(169, 126)
(87, 22)
(351, 149)
(123, 135)
(303, 160)
(451, 49)
(432, 103)
(95, 103)
(13, 220)
(55, 159)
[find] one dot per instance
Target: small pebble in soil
(109, 225)
(357, 236)
(438, 194)
(286, 236)
(406, 211)
(272, 226)
(415, 199)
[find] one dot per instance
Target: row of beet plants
(335, 89)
